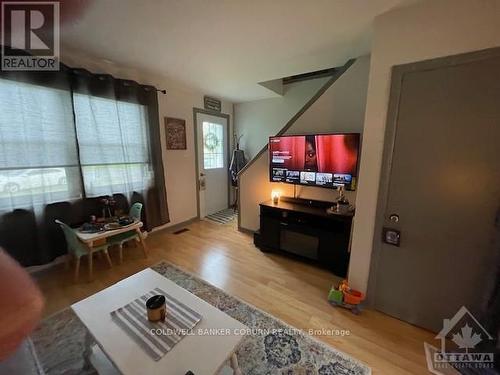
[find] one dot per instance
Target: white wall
(340, 109)
(259, 119)
(425, 30)
(179, 165)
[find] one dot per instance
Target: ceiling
(225, 47)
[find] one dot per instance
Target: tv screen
(325, 160)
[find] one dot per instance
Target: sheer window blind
(114, 145)
(38, 154)
(39, 160)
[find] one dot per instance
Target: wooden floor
(288, 289)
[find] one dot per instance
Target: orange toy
(344, 296)
(351, 296)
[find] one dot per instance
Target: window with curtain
(114, 146)
(38, 153)
(38, 146)
(66, 138)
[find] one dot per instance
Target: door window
(213, 145)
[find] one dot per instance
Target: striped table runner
(158, 338)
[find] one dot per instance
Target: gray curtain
(117, 128)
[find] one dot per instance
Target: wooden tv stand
(303, 227)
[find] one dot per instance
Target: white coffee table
(205, 354)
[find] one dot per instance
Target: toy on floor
(346, 297)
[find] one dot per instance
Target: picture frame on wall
(175, 131)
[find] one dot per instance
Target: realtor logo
(30, 35)
(460, 338)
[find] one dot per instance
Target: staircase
(254, 183)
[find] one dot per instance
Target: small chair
(135, 211)
(119, 239)
(78, 249)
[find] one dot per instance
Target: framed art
(175, 130)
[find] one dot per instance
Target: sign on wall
(212, 104)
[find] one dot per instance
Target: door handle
(394, 218)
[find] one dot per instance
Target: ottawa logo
(461, 339)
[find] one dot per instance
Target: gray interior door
(444, 186)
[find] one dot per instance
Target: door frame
(227, 117)
(397, 75)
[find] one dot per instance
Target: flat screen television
(324, 160)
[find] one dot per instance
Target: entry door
(443, 193)
(212, 134)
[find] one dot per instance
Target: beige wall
(180, 164)
(259, 119)
(423, 31)
(340, 109)
(180, 174)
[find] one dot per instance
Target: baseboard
(175, 227)
(246, 230)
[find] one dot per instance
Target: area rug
(59, 340)
(223, 217)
